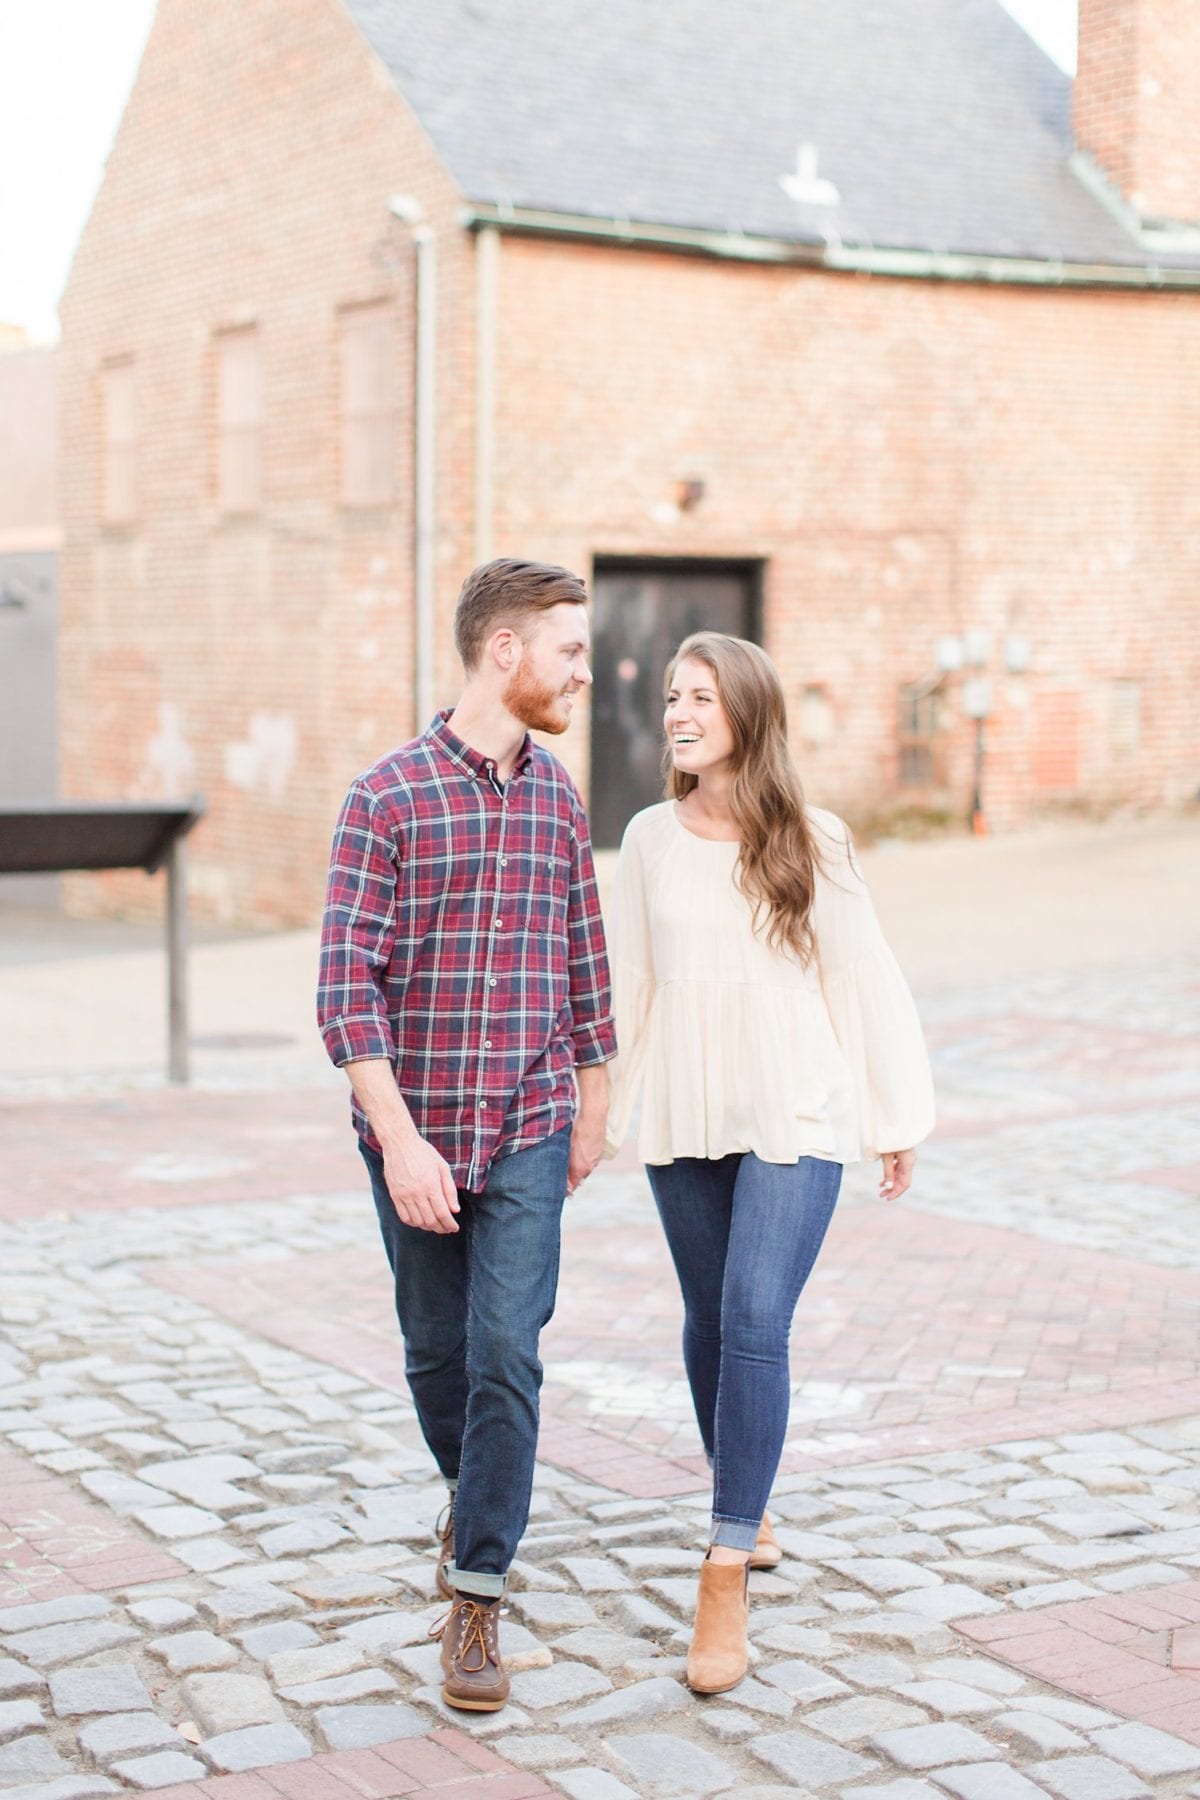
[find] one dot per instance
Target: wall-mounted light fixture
(689, 492)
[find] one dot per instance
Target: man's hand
(898, 1166)
(587, 1139)
(418, 1179)
(421, 1185)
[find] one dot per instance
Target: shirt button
(483, 1106)
(499, 924)
(504, 862)
(491, 981)
(487, 1043)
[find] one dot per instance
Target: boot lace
(477, 1632)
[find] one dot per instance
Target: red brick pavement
(102, 1156)
(447, 1763)
(1132, 1653)
(916, 1333)
(53, 1544)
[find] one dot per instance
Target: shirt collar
(469, 759)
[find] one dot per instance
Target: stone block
(637, 1614)
(953, 1699)
(808, 1761)
(932, 1746)
(36, 1613)
(663, 1764)
(16, 1679)
(559, 1685)
(229, 1701)
(341, 1689)
(641, 1700)
(163, 1770)
(115, 1689)
(802, 1680)
(358, 1727)
(188, 1650)
(288, 1668)
(177, 1521)
(257, 1747)
(592, 1784)
(262, 1641)
(1088, 1778)
(953, 1601)
(302, 1537)
(988, 1781)
(1035, 1736)
(541, 1749)
(161, 1613)
(55, 1644)
(31, 1758)
(246, 1605)
(18, 1717)
(550, 1610)
(1148, 1751)
(885, 1574)
(595, 1574)
(122, 1733)
(853, 1721)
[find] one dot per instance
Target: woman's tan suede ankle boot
(718, 1655)
(766, 1553)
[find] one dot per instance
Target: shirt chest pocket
(542, 902)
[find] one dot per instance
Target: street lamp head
(406, 208)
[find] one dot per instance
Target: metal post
(426, 472)
(177, 998)
(978, 819)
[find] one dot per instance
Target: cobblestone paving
(216, 1554)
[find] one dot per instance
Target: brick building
(29, 544)
(828, 325)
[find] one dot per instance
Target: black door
(642, 611)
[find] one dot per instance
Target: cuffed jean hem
(734, 1534)
(487, 1587)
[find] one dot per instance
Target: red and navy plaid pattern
(462, 940)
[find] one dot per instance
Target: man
(464, 988)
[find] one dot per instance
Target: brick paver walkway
(216, 1571)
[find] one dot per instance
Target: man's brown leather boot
(473, 1674)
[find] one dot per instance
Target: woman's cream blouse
(736, 1046)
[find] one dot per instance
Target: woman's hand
(898, 1166)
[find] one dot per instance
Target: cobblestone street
(217, 1513)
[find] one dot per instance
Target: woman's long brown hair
(778, 863)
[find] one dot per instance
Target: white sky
(66, 68)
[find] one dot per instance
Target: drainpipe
(409, 212)
(487, 267)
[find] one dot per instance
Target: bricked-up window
(120, 442)
(917, 734)
(368, 350)
(239, 421)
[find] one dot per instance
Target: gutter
(843, 259)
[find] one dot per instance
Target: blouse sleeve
(872, 1011)
(633, 986)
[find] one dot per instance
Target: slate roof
(940, 122)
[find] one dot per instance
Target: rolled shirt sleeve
(592, 1029)
(358, 934)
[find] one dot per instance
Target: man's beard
(533, 702)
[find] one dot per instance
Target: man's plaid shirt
(462, 940)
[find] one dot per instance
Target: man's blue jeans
(471, 1306)
(744, 1236)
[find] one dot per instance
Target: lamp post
(970, 656)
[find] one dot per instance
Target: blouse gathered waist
(734, 1045)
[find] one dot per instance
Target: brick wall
(1137, 100)
(261, 660)
(909, 459)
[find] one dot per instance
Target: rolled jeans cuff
(487, 1587)
(734, 1534)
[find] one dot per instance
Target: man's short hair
(508, 592)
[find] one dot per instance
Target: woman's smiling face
(696, 723)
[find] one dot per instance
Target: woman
(765, 1017)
